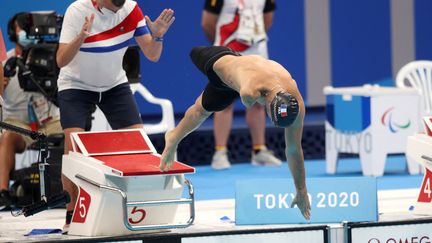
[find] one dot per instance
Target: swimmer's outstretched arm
(294, 154)
(193, 118)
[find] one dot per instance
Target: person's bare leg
(222, 126)
(192, 119)
(10, 143)
(68, 185)
(256, 119)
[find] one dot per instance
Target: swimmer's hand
(167, 158)
(161, 25)
(302, 201)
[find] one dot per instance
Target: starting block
(121, 189)
(419, 149)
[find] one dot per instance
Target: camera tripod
(45, 202)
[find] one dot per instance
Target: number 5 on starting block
(82, 206)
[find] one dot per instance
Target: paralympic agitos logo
(394, 126)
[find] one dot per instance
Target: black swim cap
(283, 109)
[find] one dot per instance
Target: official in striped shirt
(94, 38)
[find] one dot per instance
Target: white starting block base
(121, 189)
(99, 211)
(424, 200)
(419, 150)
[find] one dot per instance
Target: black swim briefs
(217, 95)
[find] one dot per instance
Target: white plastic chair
(418, 74)
(167, 122)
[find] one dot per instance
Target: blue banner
(333, 200)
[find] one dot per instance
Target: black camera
(38, 70)
(44, 26)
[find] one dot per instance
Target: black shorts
(118, 104)
(216, 99)
(217, 95)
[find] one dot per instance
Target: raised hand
(161, 25)
(86, 28)
(302, 202)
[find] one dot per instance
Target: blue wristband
(158, 39)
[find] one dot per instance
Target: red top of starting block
(141, 164)
(112, 142)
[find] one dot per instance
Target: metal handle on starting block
(426, 158)
(126, 204)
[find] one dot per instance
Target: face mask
(24, 41)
